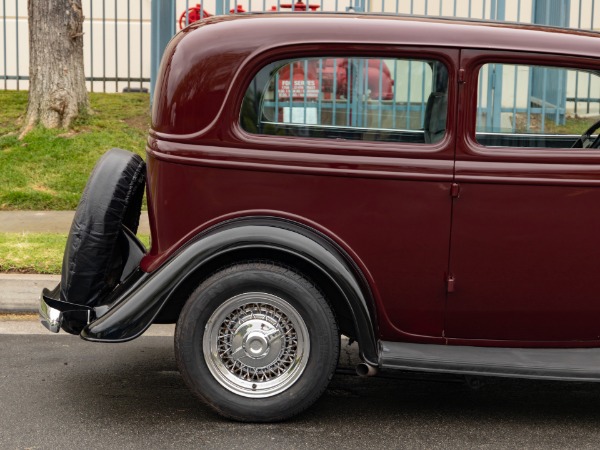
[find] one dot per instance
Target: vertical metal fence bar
(544, 91)
(497, 12)
(365, 94)
(187, 12)
(480, 95)
(291, 100)
(320, 92)
(334, 93)
(305, 106)
(423, 65)
(128, 44)
(561, 74)
(577, 73)
(489, 118)
(589, 89)
(348, 94)
(408, 95)
(530, 74)
(141, 46)
(162, 30)
(394, 99)
(17, 41)
(380, 96)
(4, 43)
(91, 46)
(104, 45)
(515, 90)
(276, 115)
(116, 49)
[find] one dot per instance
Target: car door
(525, 244)
(372, 129)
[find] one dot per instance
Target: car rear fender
(130, 315)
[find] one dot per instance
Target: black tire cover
(112, 197)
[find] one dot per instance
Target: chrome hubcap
(256, 344)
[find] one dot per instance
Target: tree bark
(57, 92)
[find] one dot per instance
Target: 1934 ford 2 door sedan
(429, 188)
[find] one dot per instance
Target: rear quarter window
(358, 98)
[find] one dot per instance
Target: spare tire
(112, 198)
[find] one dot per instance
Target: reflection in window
(349, 98)
(535, 106)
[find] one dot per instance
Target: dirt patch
(27, 270)
(42, 188)
(68, 134)
(17, 316)
(141, 123)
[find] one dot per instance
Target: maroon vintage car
(428, 188)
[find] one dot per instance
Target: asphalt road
(57, 391)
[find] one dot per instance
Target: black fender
(144, 294)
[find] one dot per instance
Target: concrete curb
(20, 293)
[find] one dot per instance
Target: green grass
(573, 125)
(36, 252)
(48, 169)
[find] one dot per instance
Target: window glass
(349, 98)
(535, 106)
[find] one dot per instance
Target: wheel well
(332, 293)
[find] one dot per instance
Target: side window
(349, 98)
(536, 106)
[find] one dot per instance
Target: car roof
(206, 62)
(283, 27)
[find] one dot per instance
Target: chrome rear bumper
(51, 318)
(56, 314)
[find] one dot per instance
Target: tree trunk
(57, 92)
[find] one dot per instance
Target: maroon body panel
(525, 240)
(521, 239)
(372, 218)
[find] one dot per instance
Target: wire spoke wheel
(257, 341)
(256, 344)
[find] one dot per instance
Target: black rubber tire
(297, 291)
(112, 198)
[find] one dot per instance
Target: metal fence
(124, 39)
(116, 45)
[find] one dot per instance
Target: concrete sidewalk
(19, 293)
(47, 222)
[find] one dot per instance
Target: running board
(573, 364)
